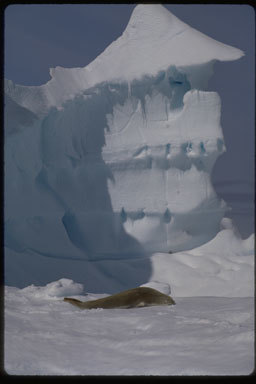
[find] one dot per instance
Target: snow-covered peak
(153, 40)
(151, 20)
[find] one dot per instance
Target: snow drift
(198, 336)
(113, 161)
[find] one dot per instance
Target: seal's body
(132, 298)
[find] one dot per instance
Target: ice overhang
(155, 39)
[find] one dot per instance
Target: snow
(161, 287)
(103, 187)
(108, 187)
(223, 267)
(197, 336)
(153, 40)
(119, 152)
(60, 288)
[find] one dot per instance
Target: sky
(39, 37)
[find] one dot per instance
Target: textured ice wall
(161, 145)
(113, 161)
(118, 170)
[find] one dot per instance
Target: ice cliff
(114, 160)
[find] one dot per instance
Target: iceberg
(113, 161)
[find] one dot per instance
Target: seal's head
(169, 301)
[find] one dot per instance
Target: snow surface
(197, 336)
(108, 187)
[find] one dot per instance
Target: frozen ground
(209, 333)
(197, 336)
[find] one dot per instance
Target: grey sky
(38, 37)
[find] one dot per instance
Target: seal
(132, 298)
